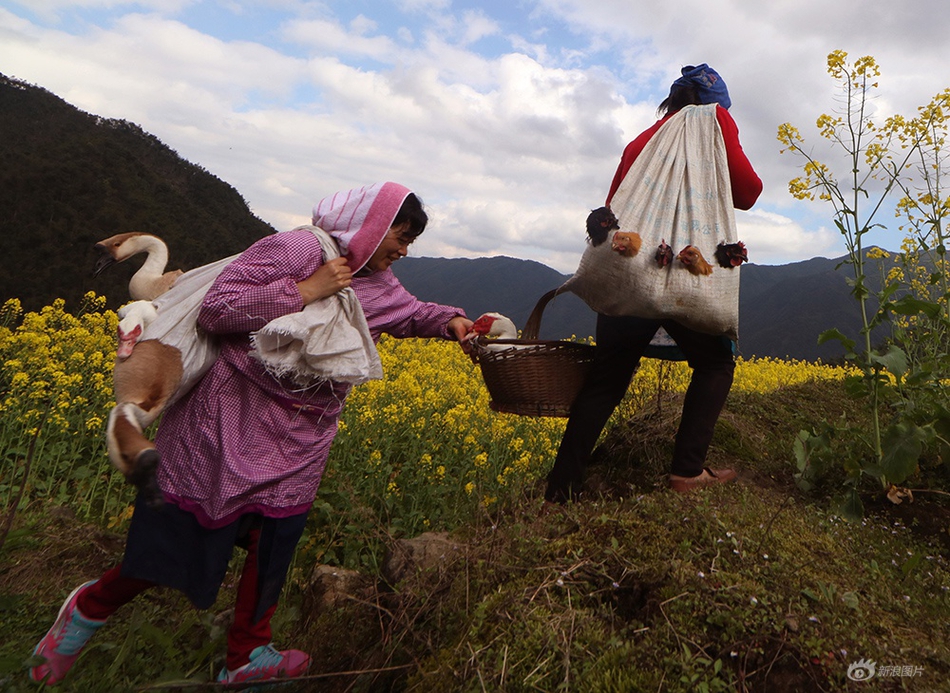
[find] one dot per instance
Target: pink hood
(358, 219)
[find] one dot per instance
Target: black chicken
(730, 255)
(601, 222)
(664, 254)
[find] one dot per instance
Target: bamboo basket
(534, 377)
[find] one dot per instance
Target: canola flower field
(416, 451)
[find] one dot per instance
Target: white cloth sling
(328, 340)
(678, 191)
(177, 323)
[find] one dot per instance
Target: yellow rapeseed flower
(122, 517)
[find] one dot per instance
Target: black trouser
(621, 342)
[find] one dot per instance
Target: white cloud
(54, 10)
(423, 5)
(772, 239)
(325, 37)
(477, 26)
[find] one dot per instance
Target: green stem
(8, 522)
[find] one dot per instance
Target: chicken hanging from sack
(626, 243)
(600, 222)
(731, 255)
(664, 254)
(694, 261)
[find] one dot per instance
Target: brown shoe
(709, 477)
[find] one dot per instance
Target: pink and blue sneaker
(61, 645)
(268, 663)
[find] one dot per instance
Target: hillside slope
(69, 179)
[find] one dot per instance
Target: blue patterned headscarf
(708, 84)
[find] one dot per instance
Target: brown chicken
(626, 243)
(694, 261)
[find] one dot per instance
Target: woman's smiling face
(395, 245)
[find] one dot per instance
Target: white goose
(134, 317)
(151, 280)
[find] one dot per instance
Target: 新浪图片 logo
(861, 670)
(864, 669)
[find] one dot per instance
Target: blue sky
(507, 117)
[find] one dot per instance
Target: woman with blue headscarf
(622, 340)
(700, 85)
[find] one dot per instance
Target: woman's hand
(459, 327)
(329, 278)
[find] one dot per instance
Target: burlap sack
(678, 192)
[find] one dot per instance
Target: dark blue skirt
(169, 547)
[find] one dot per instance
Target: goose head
(494, 325)
(151, 280)
(124, 245)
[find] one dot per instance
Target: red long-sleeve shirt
(746, 184)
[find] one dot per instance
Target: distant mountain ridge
(503, 284)
(69, 179)
(782, 309)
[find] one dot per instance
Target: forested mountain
(69, 179)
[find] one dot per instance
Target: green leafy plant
(901, 379)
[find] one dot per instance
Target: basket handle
(533, 326)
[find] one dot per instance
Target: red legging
(112, 590)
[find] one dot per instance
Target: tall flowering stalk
(879, 161)
(924, 207)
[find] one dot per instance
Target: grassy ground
(752, 587)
